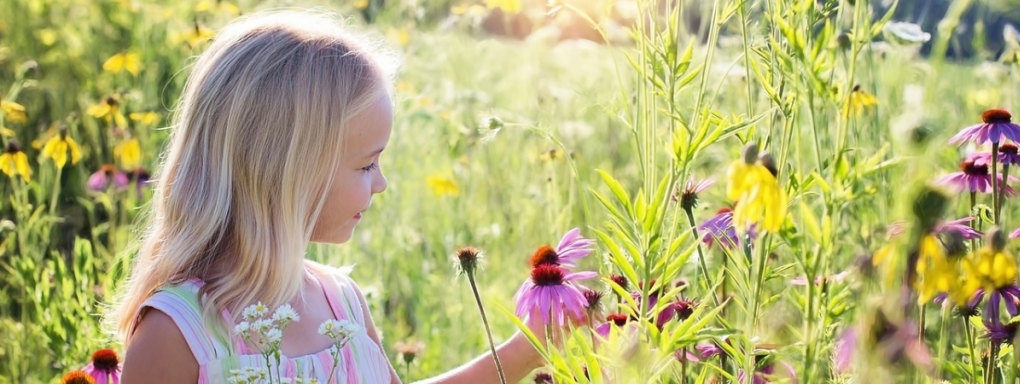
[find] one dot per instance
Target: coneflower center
(547, 275)
(12, 147)
(618, 318)
(993, 116)
(77, 377)
(545, 255)
(1008, 148)
(970, 168)
(105, 360)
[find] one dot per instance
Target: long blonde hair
(257, 137)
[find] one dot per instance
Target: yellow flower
(508, 6)
(58, 146)
(936, 273)
(401, 36)
(145, 118)
(551, 154)
(218, 5)
(859, 101)
(994, 269)
(13, 111)
(195, 36)
(129, 153)
(443, 186)
(360, 4)
(108, 109)
(47, 36)
(14, 162)
(124, 61)
(759, 197)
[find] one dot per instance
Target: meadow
(844, 269)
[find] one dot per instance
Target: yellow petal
(51, 146)
(145, 118)
(21, 159)
(98, 110)
(13, 111)
(59, 153)
(129, 153)
(115, 63)
(75, 151)
(8, 165)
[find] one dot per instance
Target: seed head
(547, 275)
(105, 360)
(769, 163)
(408, 351)
(620, 280)
(996, 116)
(996, 238)
(77, 377)
(467, 260)
(593, 299)
(751, 154)
(544, 255)
(12, 147)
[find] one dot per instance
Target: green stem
(970, 348)
(56, 192)
(485, 322)
(943, 341)
(995, 182)
(701, 254)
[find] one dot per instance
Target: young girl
(276, 144)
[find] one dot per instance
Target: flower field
(763, 191)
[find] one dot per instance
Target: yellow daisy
(124, 61)
(57, 148)
(443, 186)
(860, 100)
(13, 111)
(14, 162)
(759, 197)
(109, 110)
(128, 153)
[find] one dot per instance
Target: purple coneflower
(897, 228)
(1009, 296)
(572, 247)
(720, 228)
(617, 319)
(105, 367)
(1008, 154)
(996, 125)
(974, 177)
(99, 180)
(689, 196)
(551, 294)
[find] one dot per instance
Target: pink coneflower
(678, 310)
(617, 319)
(974, 177)
(105, 367)
(720, 229)
(689, 196)
(572, 247)
(99, 180)
(1008, 154)
(996, 126)
(552, 294)
(897, 228)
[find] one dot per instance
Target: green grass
(847, 178)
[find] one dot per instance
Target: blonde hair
(257, 137)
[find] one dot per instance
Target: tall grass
(593, 135)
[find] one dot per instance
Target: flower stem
(485, 322)
(683, 366)
(56, 191)
(995, 181)
(993, 355)
(970, 348)
(943, 342)
(701, 254)
(1002, 192)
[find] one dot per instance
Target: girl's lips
(358, 216)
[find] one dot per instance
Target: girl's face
(359, 176)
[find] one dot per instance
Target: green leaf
(621, 195)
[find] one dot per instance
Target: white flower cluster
(340, 331)
(247, 375)
(263, 330)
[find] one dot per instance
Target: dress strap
(207, 342)
(339, 293)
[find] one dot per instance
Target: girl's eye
(369, 168)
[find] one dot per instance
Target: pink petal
(569, 237)
(580, 276)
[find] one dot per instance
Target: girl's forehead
(369, 130)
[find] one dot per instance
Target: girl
(276, 144)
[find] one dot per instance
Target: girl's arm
(517, 356)
(158, 352)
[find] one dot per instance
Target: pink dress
(219, 351)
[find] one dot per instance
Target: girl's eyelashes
(370, 167)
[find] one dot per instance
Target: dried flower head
(593, 299)
(408, 351)
(467, 259)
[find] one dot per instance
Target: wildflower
(144, 118)
(217, 5)
(678, 310)
(571, 248)
(195, 36)
(937, 274)
(507, 6)
(468, 261)
(141, 178)
(340, 331)
(620, 281)
(905, 33)
(77, 377)
(124, 61)
(551, 154)
(129, 153)
(109, 110)
(974, 177)
(13, 111)
(551, 292)
(14, 162)
(689, 195)
(997, 125)
(859, 101)
(408, 351)
(58, 146)
(760, 198)
(593, 300)
(617, 319)
(105, 367)
(1007, 154)
(442, 186)
(285, 314)
(543, 378)
(720, 228)
(242, 328)
(99, 180)
(845, 350)
(255, 311)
